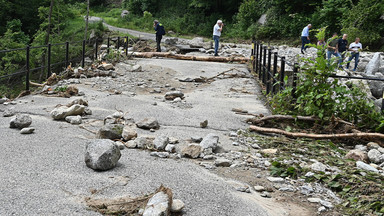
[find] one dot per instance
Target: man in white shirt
(217, 29)
(355, 48)
(305, 37)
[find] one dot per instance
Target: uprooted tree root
(125, 205)
(337, 129)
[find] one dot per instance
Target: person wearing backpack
(160, 31)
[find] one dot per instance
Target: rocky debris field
(118, 131)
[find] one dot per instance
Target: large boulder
(110, 131)
(63, 111)
(102, 154)
(210, 141)
(197, 42)
(373, 65)
(148, 123)
(21, 121)
(377, 87)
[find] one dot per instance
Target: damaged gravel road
(44, 173)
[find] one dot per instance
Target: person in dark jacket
(342, 45)
(160, 31)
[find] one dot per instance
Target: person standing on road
(305, 37)
(160, 31)
(342, 45)
(217, 29)
(355, 49)
(333, 48)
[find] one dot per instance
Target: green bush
(318, 95)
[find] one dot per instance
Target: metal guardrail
(67, 60)
(261, 57)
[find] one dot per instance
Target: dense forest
(27, 24)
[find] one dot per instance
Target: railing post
(274, 73)
(126, 45)
(108, 44)
(96, 45)
(295, 70)
(83, 55)
(264, 62)
(282, 73)
(256, 57)
(268, 83)
(382, 103)
(49, 60)
(28, 69)
(66, 54)
(253, 55)
(260, 62)
(118, 44)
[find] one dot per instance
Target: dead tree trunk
(193, 58)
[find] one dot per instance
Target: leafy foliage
(319, 95)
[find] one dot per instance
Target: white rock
(27, 130)
(157, 205)
(318, 167)
(364, 166)
(161, 142)
(259, 188)
(326, 204)
(375, 156)
(75, 120)
(170, 148)
(276, 179)
(177, 206)
(314, 200)
(63, 111)
(210, 141)
(160, 154)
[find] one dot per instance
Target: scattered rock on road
(27, 130)
(148, 123)
(9, 112)
(160, 142)
(129, 132)
(75, 120)
(63, 111)
(174, 94)
(110, 131)
(21, 121)
(210, 141)
(159, 204)
(102, 154)
(191, 151)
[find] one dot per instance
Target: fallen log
(191, 58)
(317, 136)
(293, 118)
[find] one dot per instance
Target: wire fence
(74, 54)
